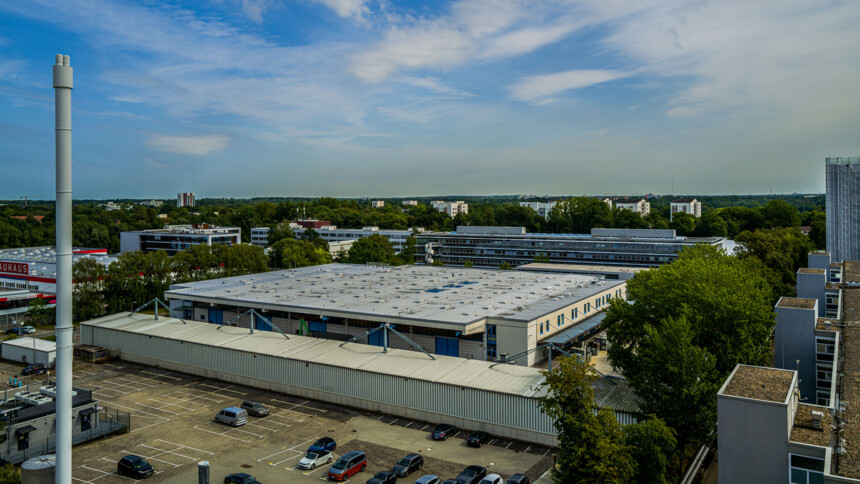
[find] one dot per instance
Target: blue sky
(382, 98)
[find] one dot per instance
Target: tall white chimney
(64, 328)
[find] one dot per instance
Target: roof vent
(816, 418)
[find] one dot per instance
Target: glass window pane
(798, 476)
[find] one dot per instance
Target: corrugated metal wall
(503, 415)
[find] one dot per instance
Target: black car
(240, 478)
(477, 439)
(443, 431)
(14, 330)
(407, 464)
(34, 369)
(383, 477)
(134, 466)
(471, 475)
(518, 479)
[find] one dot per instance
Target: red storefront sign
(21, 268)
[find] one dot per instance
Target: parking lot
(173, 427)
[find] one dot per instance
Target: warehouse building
(29, 350)
(494, 246)
(473, 395)
(470, 313)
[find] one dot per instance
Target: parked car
(348, 465)
(234, 416)
(256, 409)
(34, 369)
(471, 475)
(325, 443)
(14, 330)
(443, 431)
(240, 478)
(134, 466)
(477, 439)
(492, 479)
(518, 479)
(314, 459)
(383, 477)
(450, 481)
(28, 330)
(428, 479)
(408, 464)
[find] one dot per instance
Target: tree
(650, 442)
(580, 215)
(818, 234)
(627, 219)
(541, 257)
(505, 266)
(468, 264)
(683, 328)
(9, 474)
(376, 248)
(280, 231)
(782, 251)
(683, 223)
(313, 237)
(779, 213)
(407, 255)
(291, 253)
(39, 313)
(89, 301)
(590, 447)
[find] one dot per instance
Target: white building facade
(542, 208)
(638, 205)
(184, 199)
(690, 206)
(450, 208)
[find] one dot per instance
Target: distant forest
(724, 216)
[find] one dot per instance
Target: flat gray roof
(456, 296)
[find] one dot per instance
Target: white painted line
(492, 442)
(184, 446)
(147, 457)
(112, 404)
(509, 444)
(280, 415)
(527, 449)
(171, 452)
(547, 452)
(424, 427)
(223, 435)
(299, 456)
(392, 422)
(161, 375)
(155, 408)
(276, 453)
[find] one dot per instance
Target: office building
(470, 313)
(773, 426)
(450, 208)
(150, 203)
(542, 208)
(176, 238)
(410, 203)
(638, 205)
(332, 234)
(843, 208)
(184, 199)
(308, 223)
(494, 246)
(260, 236)
(690, 206)
(377, 203)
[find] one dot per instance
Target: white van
(234, 416)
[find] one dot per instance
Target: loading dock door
(23, 434)
(317, 327)
(216, 316)
(447, 346)
(376, 339)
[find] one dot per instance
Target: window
(541, 328)
(822, 397)
(823, 375)
(560, 319)
(491, 350)
(824, 347)
(573, 313)
(806, 470)
(491, 330)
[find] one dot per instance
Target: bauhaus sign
(14, 268)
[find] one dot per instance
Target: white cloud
(349, 9)
(188, 145)
(540, 88)
(435, 85)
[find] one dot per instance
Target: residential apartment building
(451, 208)
(260, 236)
(690, 206)
(799, 423)
(410, 203)
(494, 246)
(639, 205)
(542, 208)
(843, 208)
(377, 203)
(176, 238)
(184, 199)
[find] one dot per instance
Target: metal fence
(111, 421)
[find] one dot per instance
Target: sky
(379, 98)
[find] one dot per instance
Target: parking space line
(280, 415)
(156, 408)
(547, 452)
(527, 449)
(162, 375)
(224, 434)
(184, 446)
(276, 453)
(171, 452)
(509, 444)
(267, 428)
(424, 427)
(147, 457)
(299, 456)
(492, 441)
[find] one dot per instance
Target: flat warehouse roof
(28, 343)
(455, 296)
(512, 379)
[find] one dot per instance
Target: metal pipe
(203, 472)
(64, 328)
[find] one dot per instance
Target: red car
(347, 466)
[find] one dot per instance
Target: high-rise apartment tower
(843, 208)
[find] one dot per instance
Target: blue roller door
(317, 327)
(216, 316)
(376, 339)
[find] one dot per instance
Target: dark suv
(477, 439)
(472, 475)
(256, 409)
(443, 431)
(134, 466)
(408, 464)
(240, 478)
